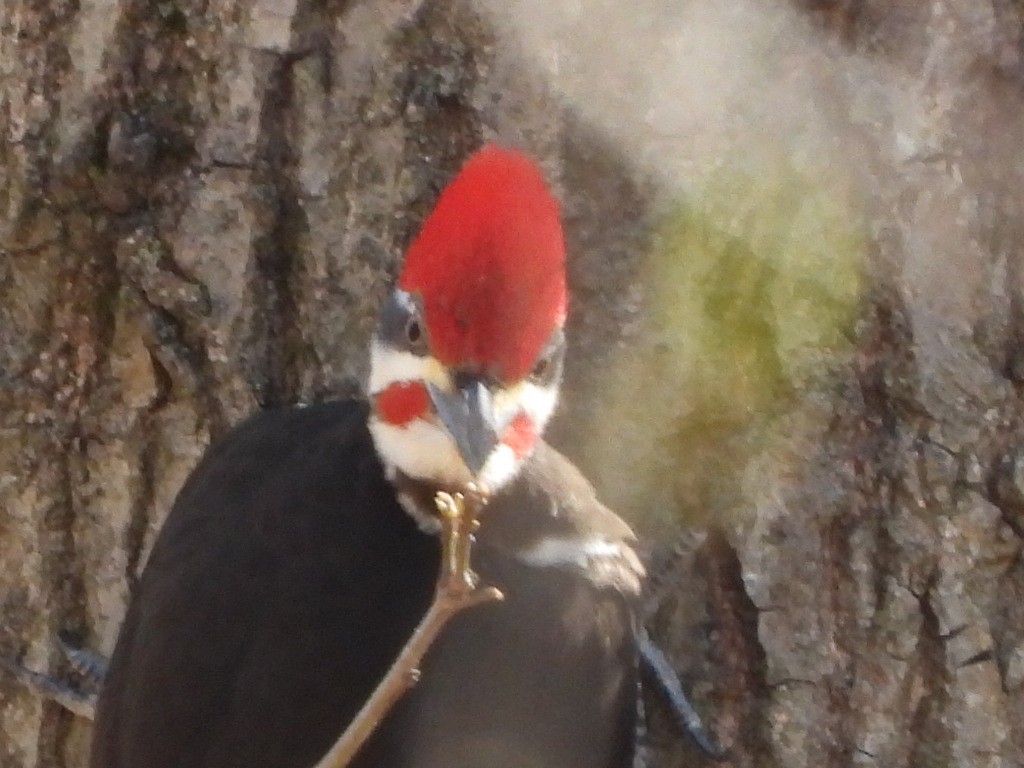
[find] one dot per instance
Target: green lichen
(751, 289)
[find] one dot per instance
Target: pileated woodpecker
(300, 554)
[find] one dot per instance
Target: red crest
(489, 266)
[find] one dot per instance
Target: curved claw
(90, 665)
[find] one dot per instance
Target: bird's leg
(44, 686)
(459, 521)
(90, 665)
(457, 590)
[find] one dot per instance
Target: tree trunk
(795, 242)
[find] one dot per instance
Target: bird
(302, 551)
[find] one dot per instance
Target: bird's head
(467, 357)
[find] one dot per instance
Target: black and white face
(451, 423)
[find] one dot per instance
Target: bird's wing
(249, 641)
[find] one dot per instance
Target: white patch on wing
(388, 366)
(554, 552)
(607, 563)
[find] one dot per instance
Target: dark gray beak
(469, 415)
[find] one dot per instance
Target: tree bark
(203, 203)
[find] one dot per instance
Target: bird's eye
(413, 331)
(541, 367)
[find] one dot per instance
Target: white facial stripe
(405, 299)
(388, 366)
(423, 448)
(538, 402)
(501, 467)
(420, 449)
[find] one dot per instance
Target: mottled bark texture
(202, 203)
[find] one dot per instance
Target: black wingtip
(660, 670)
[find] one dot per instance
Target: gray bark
(203, 203)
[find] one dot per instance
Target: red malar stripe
(520, 435)
(402, 402)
